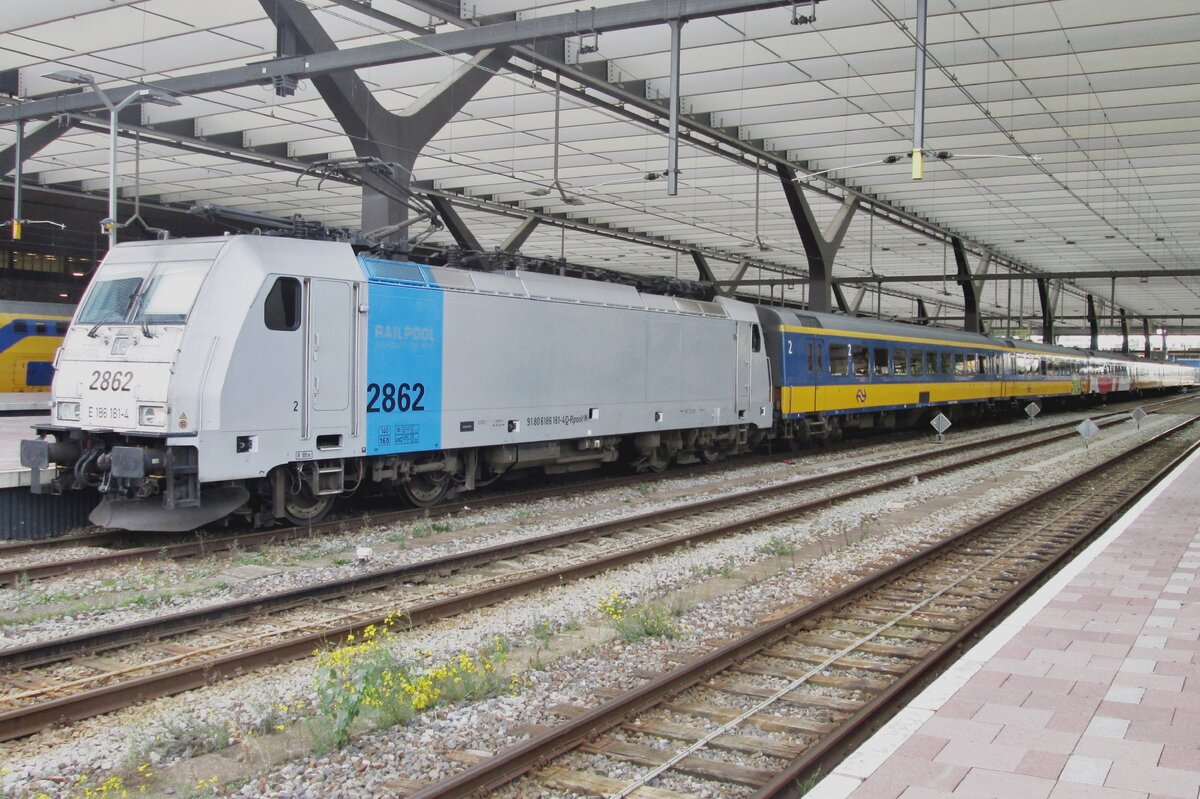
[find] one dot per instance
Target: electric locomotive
(269, 376)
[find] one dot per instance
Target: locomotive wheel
(658, 461)
(425, 490)
(301, 507)
(709, 454)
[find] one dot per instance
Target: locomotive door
(329, 342)
(744, 362)
(815, 352)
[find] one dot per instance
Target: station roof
(1067, 133)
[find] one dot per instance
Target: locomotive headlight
(152, 415)
(67, 411)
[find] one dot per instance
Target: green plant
(366, 676)
(542, 630)
(809, 782)
(341, 561)
(777, 546)
(638, 622)
(643, 488)
(440, 527)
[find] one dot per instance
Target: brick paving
(1092, 689)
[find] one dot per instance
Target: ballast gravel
(156, 732)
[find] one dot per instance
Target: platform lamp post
(143, 95)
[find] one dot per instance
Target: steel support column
(32, 143)
(922, 312)
(839, 297)
(706, 273)
(1047, 303)
(455, 224)
(972, 321)
(1093, 322)
(1124, 333)
(1146, 335)
(374, 131)
(820, 248)
(518, 237)
(734, 279)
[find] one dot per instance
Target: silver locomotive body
(268, 376)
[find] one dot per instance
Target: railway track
(70, 686)
(203, 545)
(760, 715)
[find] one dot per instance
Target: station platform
(24, 403)
(1090, 689)
(12, 430)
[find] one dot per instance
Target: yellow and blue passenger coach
(30, 334)
(836, 372)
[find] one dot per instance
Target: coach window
(931, 363)
(859, 360)
(899, 362)
(282, 309)
(881, 361)
(946, 363)
(839, 364)
(918, 363)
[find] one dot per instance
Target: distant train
(30, 334)
(267, 377)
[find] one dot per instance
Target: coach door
(329, 353)
(814, 352)
(744, 363)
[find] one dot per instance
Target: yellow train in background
(30, 335)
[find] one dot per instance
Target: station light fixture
(145, 94)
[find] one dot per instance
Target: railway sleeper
(594, 785)
(707, 768)
(764, 721)
(747, 744)
(799, 697)
(870, 647)
(846, 661)
(829, 680)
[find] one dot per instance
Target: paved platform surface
(24, 402)
(1091, 689)
(12, 430)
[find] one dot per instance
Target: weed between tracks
(639, 622)
(365, 678)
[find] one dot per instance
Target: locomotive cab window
(755, 339)
(282, 308)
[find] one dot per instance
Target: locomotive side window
(859, 359)
(282, 309)
(838, 362)
(881, 361)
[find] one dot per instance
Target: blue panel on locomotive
(404, 359)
